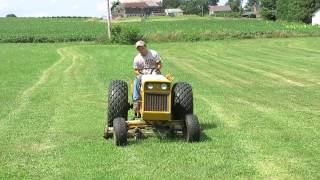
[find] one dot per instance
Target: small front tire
(120, 131)
(192, 128)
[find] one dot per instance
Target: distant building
(254, 13)
(137, 9)
(173, 12)
(249, 15)
(216, 9)
(316, 18)
(255, 9)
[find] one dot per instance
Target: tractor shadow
(204, 127)
(207, 126)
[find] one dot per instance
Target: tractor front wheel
(120, 131)
(117, 101)
(192, 128)
(182, 100)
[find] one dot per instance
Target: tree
(213, 2)
(297, 10)
(11, 15)
(236, 5)
(250, 3)
(268, 9)
(171, 3)
(282, 9)
(199, 7)
(115, 4)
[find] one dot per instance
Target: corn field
(153, 29)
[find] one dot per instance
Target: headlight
(164, 86)
(150, 86)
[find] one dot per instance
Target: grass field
(211, 28)
(257, 101)
(49, 30)
(155, 29)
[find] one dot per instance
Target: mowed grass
(257, 101)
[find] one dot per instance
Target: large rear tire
(192, 128)
(182, 100)
(120, 131)
(117, 101)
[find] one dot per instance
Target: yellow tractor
(166, 111)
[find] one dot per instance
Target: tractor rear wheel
(120, 131)
(182, 100)
(192, 128)
(117, 101)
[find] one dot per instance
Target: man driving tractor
(161, 107)
(147, 61)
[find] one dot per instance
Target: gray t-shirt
(147, 63)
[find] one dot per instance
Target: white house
(173, 12)
(316, 18)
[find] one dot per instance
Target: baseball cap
(140, 43)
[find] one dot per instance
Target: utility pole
(109, 27)
(202, 10)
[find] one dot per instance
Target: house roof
(220, 8)
(140, 4)
(134, 5)
(152, 4)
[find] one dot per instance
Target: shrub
(102, 39)
(125, 34)
(11, 15)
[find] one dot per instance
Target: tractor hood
(154, 78)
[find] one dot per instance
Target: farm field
(257, 101)
(49, 30)
(155, 29)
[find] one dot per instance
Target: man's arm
(137, 66)
(158, 60)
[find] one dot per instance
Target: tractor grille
(156, 102)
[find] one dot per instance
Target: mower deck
(140, 128)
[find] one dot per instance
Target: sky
(38, 8)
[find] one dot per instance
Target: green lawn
(257, 101)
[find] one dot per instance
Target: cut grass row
(154, 29)
(257, 101)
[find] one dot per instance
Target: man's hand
(159, 66)
(137, 72)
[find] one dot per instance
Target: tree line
(289, 10)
